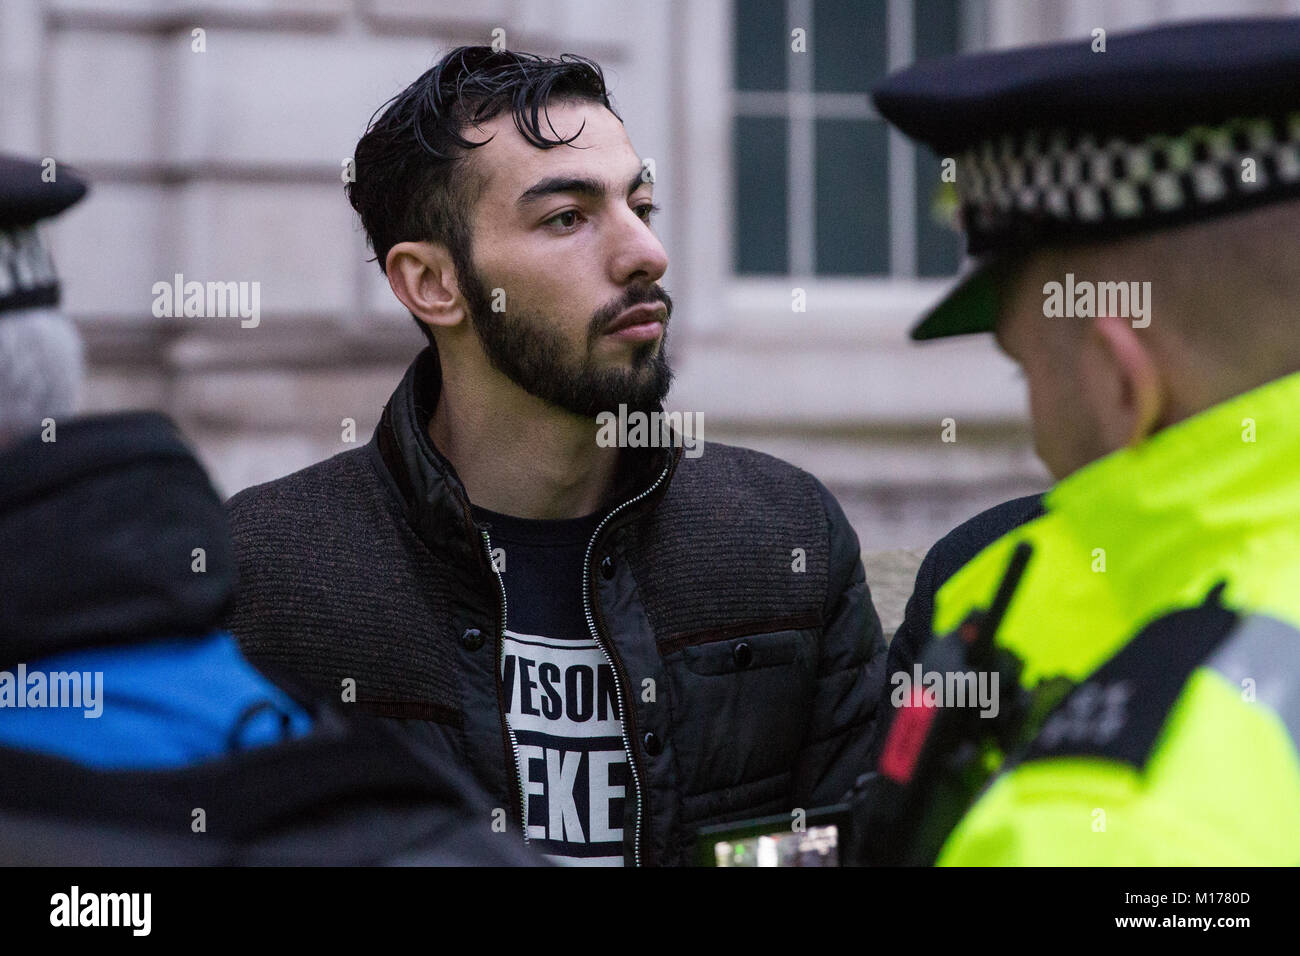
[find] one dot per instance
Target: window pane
(852, 201)
(937, 27)
(759, 159)
(938, 246)
(848, 45)
(762, 43)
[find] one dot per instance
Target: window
(822, 185)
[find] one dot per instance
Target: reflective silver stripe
(1266, 651)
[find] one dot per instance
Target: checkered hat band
(27, 277)
(1041, 181)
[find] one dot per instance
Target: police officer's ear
(423, 277)
(1121, 381)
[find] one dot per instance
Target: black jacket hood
(99, 536)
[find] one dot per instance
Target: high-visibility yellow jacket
(1127, 771)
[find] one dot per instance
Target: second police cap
(1059, 142)
(30, 191)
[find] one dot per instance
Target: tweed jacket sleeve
(840, 740)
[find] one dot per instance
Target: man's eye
(569, 217)
(647, 210)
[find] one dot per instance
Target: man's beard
(523, 346)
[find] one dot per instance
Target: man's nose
(639, 255)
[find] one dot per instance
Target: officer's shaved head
(1229, 291)
(1224, 318)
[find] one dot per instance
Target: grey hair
(41, 370)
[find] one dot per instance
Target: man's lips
(641, 322)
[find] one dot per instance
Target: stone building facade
(215, 134)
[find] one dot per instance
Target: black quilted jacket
(732, 581)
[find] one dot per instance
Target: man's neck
(517, 455)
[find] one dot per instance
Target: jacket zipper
(501, 663)
(588, 589)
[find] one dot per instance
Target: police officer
(1133, 206)
(132, 730)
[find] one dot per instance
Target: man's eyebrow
(572, 184)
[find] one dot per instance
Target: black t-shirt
(559, 685)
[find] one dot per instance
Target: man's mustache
(638, 296)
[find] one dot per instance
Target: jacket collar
(98, 531)
(1146, 529)
(1202, 484)
(437, 504)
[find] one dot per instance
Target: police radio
(937, 758)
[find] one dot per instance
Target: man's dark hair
(412, 182)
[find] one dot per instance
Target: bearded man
(622, 644)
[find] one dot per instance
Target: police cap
(1102, 137)
(29, 192)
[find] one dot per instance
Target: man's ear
(1132, 392)
(422, 276)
